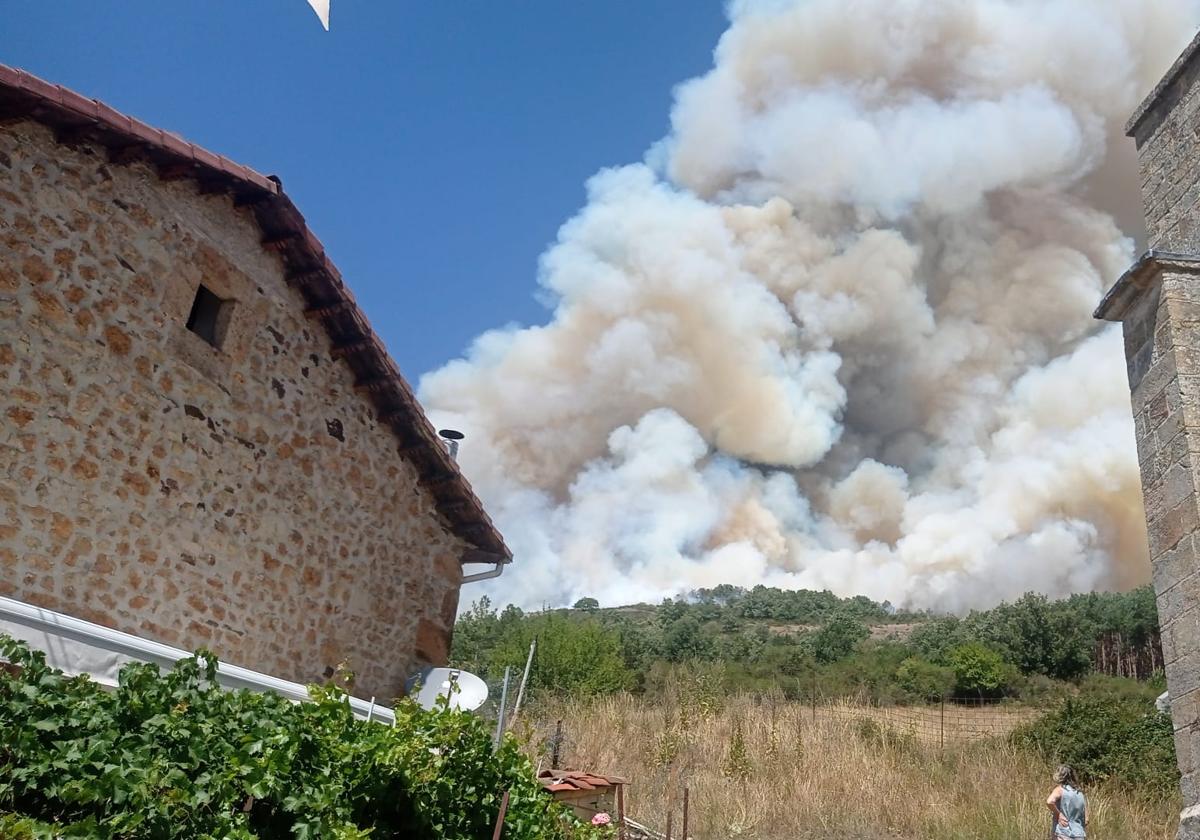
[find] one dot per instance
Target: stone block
(1169, 527)
(1176, 601)
(1173, 566)
(1184, 676)
(1176, 484)
(1189, 824)
(432, 642)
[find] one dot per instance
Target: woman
(1068, 805)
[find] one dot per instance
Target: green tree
(683, 641)
(586, 604)
(1037, 636)
(934, 639)
(838, 638)
(575, 656)
(475, 634)
(979, 670)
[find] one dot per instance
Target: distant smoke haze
(835, 331)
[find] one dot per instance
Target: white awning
(79, 647)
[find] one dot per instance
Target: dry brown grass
(832, 778)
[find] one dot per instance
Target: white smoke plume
(835, 332)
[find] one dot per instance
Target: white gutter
(143, 650)
(494, 572)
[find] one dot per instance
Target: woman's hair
(1064, 775)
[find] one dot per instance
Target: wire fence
(665, 749)
(951, 722)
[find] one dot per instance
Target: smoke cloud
(835, 331)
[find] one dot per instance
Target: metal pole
(500, 817)
(503, 703)
(684, 834)
(620, 812)
(942, 728)
(524, 682)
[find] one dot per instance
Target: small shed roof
(566, 781)
(77, 119)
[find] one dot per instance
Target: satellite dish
(465, 690)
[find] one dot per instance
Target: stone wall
(1158, 304)
(1162, 337)
(1165, 129)
(243, 499)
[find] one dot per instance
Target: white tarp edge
(78, 647)
(69, 656)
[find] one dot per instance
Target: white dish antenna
(465, 690)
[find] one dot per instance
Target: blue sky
(435, 147)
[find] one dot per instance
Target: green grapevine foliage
(175, 756)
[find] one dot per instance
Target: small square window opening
(209, 316)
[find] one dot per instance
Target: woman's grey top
(1071, 805)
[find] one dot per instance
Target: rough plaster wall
(243, 500)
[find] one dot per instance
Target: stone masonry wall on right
(1157, 303)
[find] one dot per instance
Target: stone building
(202, 441)
(1158, 304)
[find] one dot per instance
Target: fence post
(524, 681)
(500, 817)
(942, 727)
(620, 812)
(503, 703)
(669, 815)
(684, 834)
(557, 745)
(814, 700)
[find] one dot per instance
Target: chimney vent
(451, 438)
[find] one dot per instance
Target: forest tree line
(805, 643)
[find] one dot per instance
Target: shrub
(925, 680)
(1125, 742)
(175, 756)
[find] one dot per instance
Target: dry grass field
(847, 772)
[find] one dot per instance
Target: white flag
(321, 7)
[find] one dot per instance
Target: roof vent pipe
(451, 438)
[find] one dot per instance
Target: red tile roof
(77, 119)
(560, 781)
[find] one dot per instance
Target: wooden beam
(125, 154)
(340, 351)
(70, 135)
(387, 418)
(17, 113)
(176, 171)
(478, 555)
(372, 384)
(279, 241)
(213, 186)
(324, 311)
(251, 199)
(301, 276)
